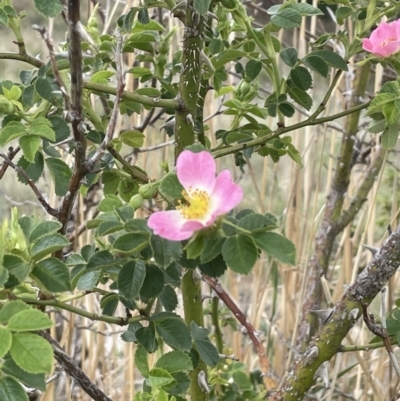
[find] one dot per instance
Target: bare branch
(72, 368)
(21, 171)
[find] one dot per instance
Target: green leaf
(10, 309)
(48, 92)
(391, 113)
(149, 91)
(286, 109)
(9, 367)
(202, 6)
(3, 17)
(88, 280)
(133, 138)
(331, 58)
(195, 247)
(43, 228)
(174, 332)
(225, 57)
(146, 336)
(287, 18)
(207, 351)
(42, 127)
(11, 390)
(109, 304)
(239, 253)
(277, 246)
(101, 77)
(16, 266)
(389, 137)
(53, 274)
(306, 9)
(253, 69)
(169, 298)
(131, 243)
(48, 244)
(32, 353)
(342, 13)
(289, 56)
(175, 361)
(301, 78)
(317, 64)
(131, 278)
(159, 378)
(198, 332)
(34, 170)
(165, 252)
(49, 8)
(61, 174)
(101, 260)
(254, 221)
(215, 267)
(153, 283)
(142, 41)
(109, 227)
(143, 16)
(60, 127)
(141, 361)
(12, 130)
(170, 186)
(212, 247)
(5, 340)
(301, 97)
(139, 72)
(30, 144)
(29, 320)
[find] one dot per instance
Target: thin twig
(45, 36)
(11, 154)
(22, 172)
(258, 345)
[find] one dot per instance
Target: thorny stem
(327, 342)
(319, 262)
(215, 313)
(185, 117)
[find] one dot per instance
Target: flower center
(388, 41)
(197, 204)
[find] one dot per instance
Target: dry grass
(271, 295)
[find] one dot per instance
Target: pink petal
(169, 225)
(391, 48)
(193, 225)
(367, 45)
(226, 195)
(196, 170)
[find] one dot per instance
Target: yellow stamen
(197, 204)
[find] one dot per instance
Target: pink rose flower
(207, 196)
(384, 40)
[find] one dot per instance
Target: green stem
(93, 117)
(185, 117)
(215, 321)
(121, 321)
(145, 100)
(22, 57)
(193, 308)
(262, 140)
(364, 347)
